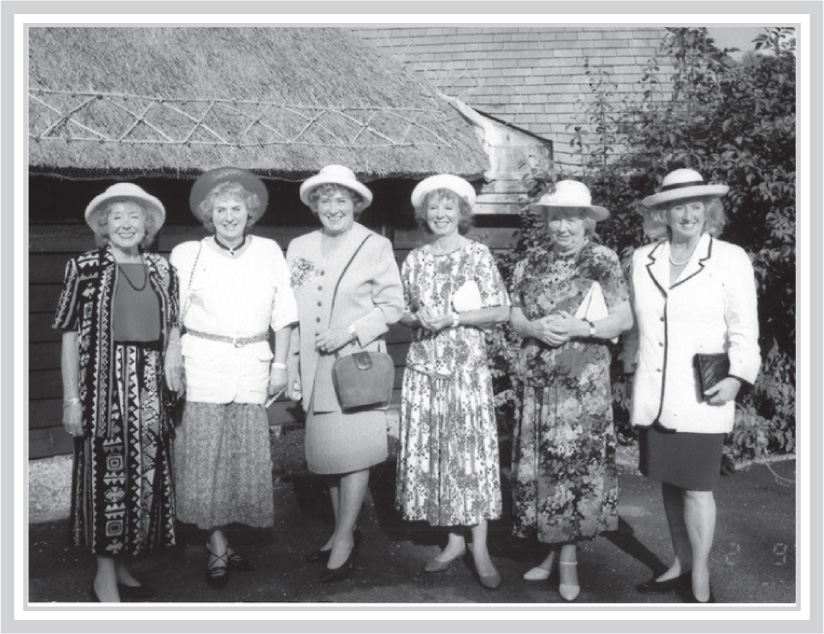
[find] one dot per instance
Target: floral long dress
(565, 485)
(448, 465)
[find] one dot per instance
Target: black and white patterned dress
(122, 487)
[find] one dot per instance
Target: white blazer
(711, 308)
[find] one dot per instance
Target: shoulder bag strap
(342, 273)
(189, 287)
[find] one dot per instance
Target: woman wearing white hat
(234, 290)
(692, 293)
(118, 313)
(348, 290)
(567, 302)
(448, 467)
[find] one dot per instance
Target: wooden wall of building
(533, 77)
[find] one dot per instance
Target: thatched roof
(284, 102)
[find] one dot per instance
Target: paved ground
(753, 559)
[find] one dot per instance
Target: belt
(237, 342)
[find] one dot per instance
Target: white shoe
(536, 574)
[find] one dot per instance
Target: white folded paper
(594, 307)
(467, 297)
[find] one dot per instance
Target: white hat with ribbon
(572, 195)
(337, 175)
(126, 191)
(443, 181)
(683, 183)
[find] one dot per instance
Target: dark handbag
(710, 369)
(365, 378)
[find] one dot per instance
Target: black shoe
(320, 555)
(236, 562)
(651, 586)
(136, 593)
(217, 576)
(336, 574)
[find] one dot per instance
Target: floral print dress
(448, 466)
(564, 479)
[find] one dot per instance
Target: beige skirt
(342, 442)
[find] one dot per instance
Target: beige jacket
(369, 297)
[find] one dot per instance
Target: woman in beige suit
(345, 260)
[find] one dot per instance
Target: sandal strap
(213, 567)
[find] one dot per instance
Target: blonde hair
(228, 189)
(100, 218)
(655, 219)
(465, 209)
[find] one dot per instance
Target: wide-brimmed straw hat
(683, 183)
(207, 181)
(443, 181)
(570, 194)
(122, 192)
(337, 175)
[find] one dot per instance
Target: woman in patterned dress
(348, 290)
(564, 476)
(448, 465)
(118, 312)
(234, 289)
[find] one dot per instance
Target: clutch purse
(710, 370)
(594, 306)
(467, 297)
(363, 379)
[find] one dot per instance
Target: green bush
(734, 123)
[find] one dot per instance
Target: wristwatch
(591, 327)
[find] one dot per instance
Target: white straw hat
(126, 191)
(683, 183)
(571, 194)
(443, 181)
(338, 175)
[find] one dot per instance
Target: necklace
(231, 250)
(145, 275)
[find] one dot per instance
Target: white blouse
(241, 296)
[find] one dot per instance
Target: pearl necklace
(683, 262)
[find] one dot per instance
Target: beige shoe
(568, 591)
(436, 565)
(536, 574)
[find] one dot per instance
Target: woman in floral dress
(564, 478)
(448, 467)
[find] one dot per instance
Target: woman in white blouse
(234, 288)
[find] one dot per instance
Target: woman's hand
(277, 380)
(73, 419)
(723, 391)
(333, 339)
(173, 369)
(550, 330)
(435, 322)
